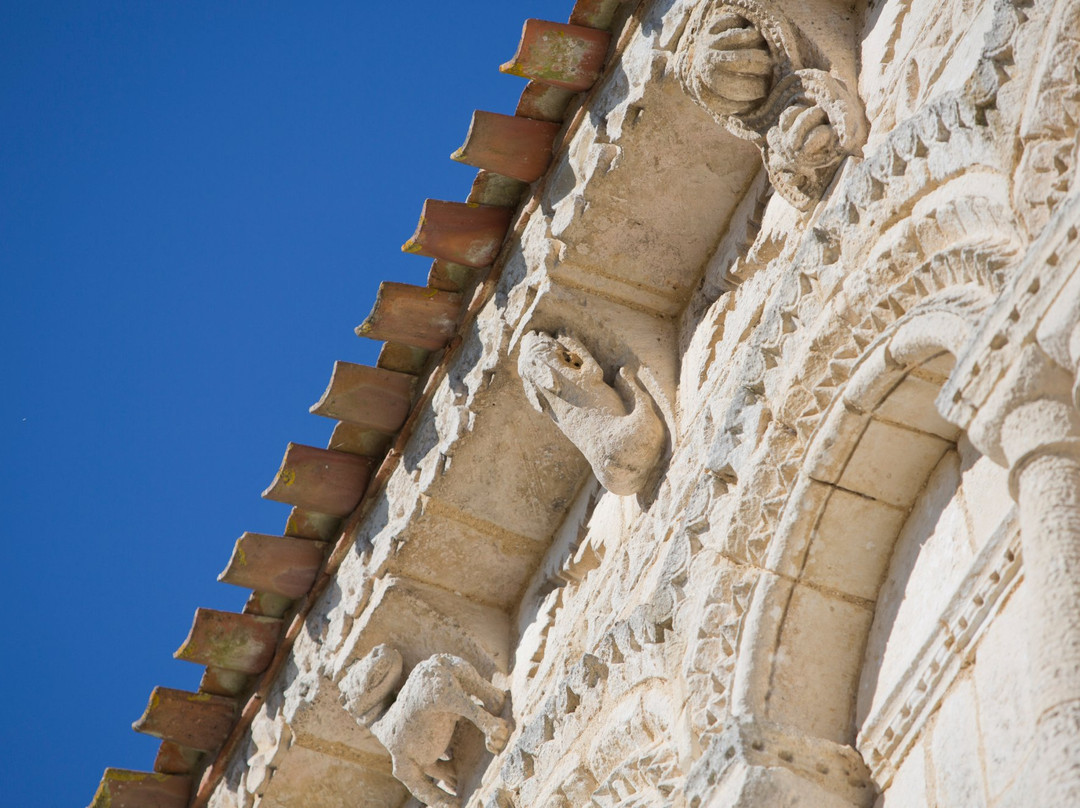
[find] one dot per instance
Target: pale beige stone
(986, 491)
(908, 788)
(911, 404)
(816, 667)
(1006, 717)
(617, 428)
(932, 556)
(852, 544)
(891, 463)
(956, 750)
(797, 304)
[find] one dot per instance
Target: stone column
(1037, 428)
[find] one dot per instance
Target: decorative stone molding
(1047, 129)
(753, 763)
(701, 644)
(1015, 391)
(750, 67)
(417, 726)
(616, 428)
(1032, 420)
(887, 735)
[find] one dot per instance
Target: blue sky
(197, 202)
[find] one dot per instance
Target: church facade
(729, 459)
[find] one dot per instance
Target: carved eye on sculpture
(572, 359)
(734, 62)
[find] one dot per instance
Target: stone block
(449, 548)
(891, 463)
(911, 403)
(931, 558)
(314, 780)
(956, 750)
(852, 544)
(1006, 716)
(754, 763)
(836, 440)
(814, 678)
(908, 788)
(986, 492)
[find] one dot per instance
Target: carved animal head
(369, 681)
(560, 367)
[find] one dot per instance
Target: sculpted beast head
(615, 427)
(369, 681)
(561, 369)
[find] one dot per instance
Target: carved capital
(1029, 414)
(758, 75)
(754, 763)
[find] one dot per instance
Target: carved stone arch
(803, 638)
(950, 241)
(633, 756)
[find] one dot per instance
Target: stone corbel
(416, 725)
(616, 427)
(762, 78)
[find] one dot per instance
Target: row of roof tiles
(371, 404)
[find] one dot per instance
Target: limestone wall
(784, 509)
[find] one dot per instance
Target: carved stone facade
(755, 481)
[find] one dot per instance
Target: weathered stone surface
(417, 727)
(958, 764)
(752, 474)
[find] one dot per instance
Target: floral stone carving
(417, 726)
(745, 65)
(616, 427)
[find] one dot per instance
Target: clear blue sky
(197, 202)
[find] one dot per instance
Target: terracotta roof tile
(304, 524)
(196, 720)
(566, 56)
(463, 232)
(123, 788)
(372, 404)
(490, 188)
(446, 276)
(267, 604)
(544, 102)
(172, 758)
(359, 440)
(235, 642)
(220, 682)
(508, 145)
(277, 564)
(320, 480)
(403, 358)
(594, 13)
(371, 397)
(413, 315)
